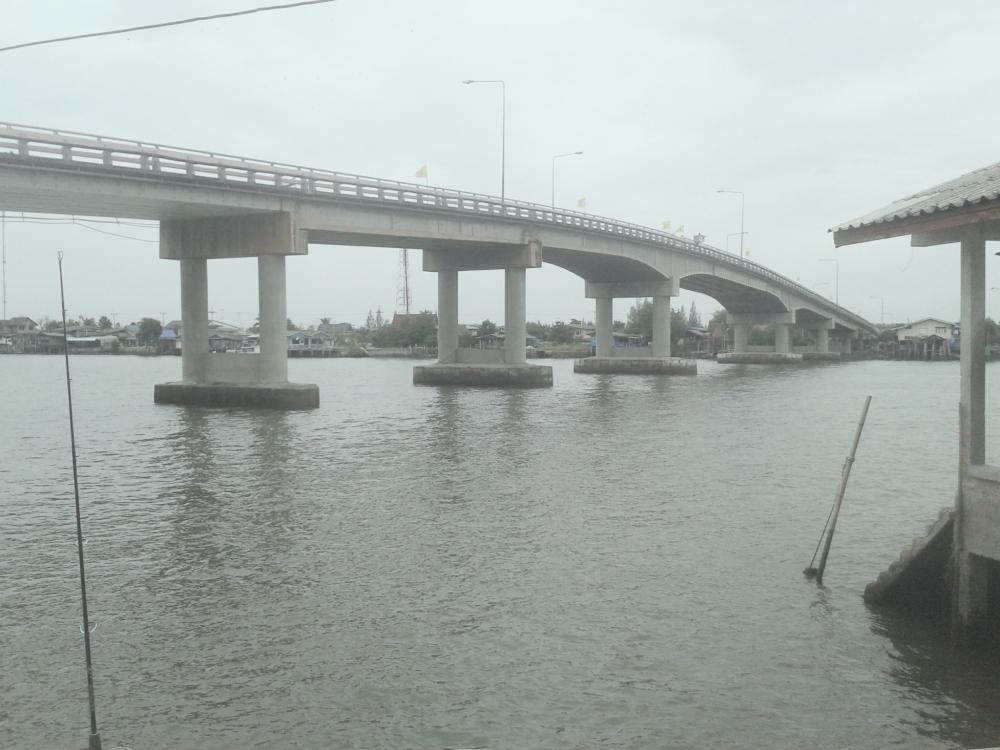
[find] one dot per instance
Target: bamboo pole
(844, 476)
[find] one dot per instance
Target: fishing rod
(95, 735)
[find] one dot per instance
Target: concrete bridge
(213, 205)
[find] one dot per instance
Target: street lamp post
(742, 207)
(836, 285)
(559, 156)
(503, 129)
(731, 235)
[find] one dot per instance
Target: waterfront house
(929, 337)
(310, 341)
(168, 341)
(964, 211)
(17, 325)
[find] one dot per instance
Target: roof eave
(942, 220)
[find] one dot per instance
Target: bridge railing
(23, 141)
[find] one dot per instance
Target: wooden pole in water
(844, 476)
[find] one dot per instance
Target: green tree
(487, 327)
(678, 324)
(640, 320)
(149, 331)
(761, 335)
(104, 323)
(693, 319)
(538, 330)
(560, 333)
(992, 331)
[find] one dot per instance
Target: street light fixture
(503, 129)
(559, 156)
(742, 207)
(836, 277)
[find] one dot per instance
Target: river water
(615, 562)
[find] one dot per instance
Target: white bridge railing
(154, 160)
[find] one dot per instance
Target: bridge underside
(601, 268)
(736, 298)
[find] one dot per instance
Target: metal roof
(974, 187)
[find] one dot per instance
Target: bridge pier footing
(484, 375)
(244, 380)
(637, 365)
(262, 396)
(760, 358)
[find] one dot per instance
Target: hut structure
(964, 211)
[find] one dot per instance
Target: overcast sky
(818, 111)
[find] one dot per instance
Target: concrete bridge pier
(605, 326)
(646, 360)
(821, 336)
(483, 367)
(822, 341)
(447, 316)
(242, 380)
(741, 337)
(782, 338)
(781, 353)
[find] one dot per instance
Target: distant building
(310, 340)
(922, 329)
(17, 325)
(335, 329)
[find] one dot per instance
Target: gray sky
(819, 112)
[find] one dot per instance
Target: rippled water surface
(615, 562)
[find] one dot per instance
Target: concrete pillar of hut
(447, 334)
(515, 317)
(194, 318)
(605, 321)
(273, 319)
(973, 356)
(782, 338)
(741, 335)
(661, 326)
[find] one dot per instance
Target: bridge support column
(515, 317)
(741, 335)
(483, 367)
(447, 316)
(741, 322)
(273, 319)
(243, 380)
(605, 323)
(194, 319)
(661, 326)
(822, 341)
(782, 338)
(846, 347)
(645, 360)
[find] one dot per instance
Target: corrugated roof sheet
(969, 189)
